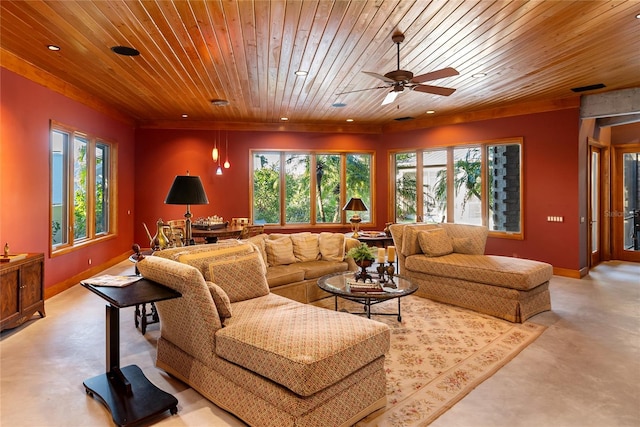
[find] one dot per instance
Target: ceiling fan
(399, 79)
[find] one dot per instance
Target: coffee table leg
(399, 315)
(335, 302)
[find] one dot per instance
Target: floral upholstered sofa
(447, 262)
(267, 359)
(295, 261)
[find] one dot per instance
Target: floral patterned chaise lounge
(267, 359)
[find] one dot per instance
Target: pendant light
(226, 162)
(214, 153)
(219, 168)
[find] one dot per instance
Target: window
(471, 184)
(82, 188)
(308, 188)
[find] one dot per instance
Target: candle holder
(381, 273)
(391, 269)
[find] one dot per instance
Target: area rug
(439, 353)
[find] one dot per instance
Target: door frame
(604, 204)
(617, 214)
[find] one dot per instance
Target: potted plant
(362, 254)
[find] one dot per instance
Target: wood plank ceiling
(247, 51)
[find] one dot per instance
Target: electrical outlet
(89, 261)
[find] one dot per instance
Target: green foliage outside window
(299, 181)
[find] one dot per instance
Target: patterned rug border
(452, 385)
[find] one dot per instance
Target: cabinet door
(31, 291)
(9, 293)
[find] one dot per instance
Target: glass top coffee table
(339, 285)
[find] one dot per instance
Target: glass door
(626, 219)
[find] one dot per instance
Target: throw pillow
(331, 246)
(435, 242)
(201, 259)
(221, 300)
(462, 245)
(242, 277)
(258, 241)
(279, 251)
(410, 244)
(305, 246)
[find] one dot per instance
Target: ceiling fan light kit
(399, 79)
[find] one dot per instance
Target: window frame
(70, 243)
(450, 216)
(313, 154)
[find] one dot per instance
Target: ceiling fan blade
(362, 90)
(436, 90)
(435, 75)
(379, 76)
(391, 96)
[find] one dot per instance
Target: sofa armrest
(350, 242)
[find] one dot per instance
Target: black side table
(126, 392)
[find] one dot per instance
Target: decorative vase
(363, 274)
(160, 240)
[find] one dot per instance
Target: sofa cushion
(331, 246)
(305, 246)
(279, 251)
(462, 245)
(201, 256)
(514, 273)
(476, 235)
(302, 347)
(284, 274)
(221, 300)
(242, 277)
(435, 242)
(259, 241)
(315, 269)
(410, 242)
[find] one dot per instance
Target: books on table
(110, 280)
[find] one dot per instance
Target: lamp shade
(355, 204)
(187, 190)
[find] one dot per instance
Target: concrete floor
(583, 371)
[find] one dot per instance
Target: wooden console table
(126, 392)
(21, 290)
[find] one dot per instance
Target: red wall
(26, 109)
(550, 163)
(163, 154)
(550, 174)
(149, 159)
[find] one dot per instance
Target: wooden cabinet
(21, 290)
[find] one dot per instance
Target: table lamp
(187, 190)
(356, 205)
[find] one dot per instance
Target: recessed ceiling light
(125, 51)
(349, 120)
(479, 75)
(638, 16)
(338, 104)
(184, 116)
(431, 112)
(301, 73)
(284, 119)
(53, 47)
(219, 102)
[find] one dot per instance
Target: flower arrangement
(362, 252)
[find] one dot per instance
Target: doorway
(626, 203)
